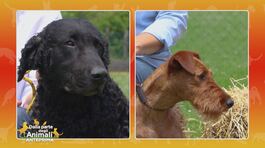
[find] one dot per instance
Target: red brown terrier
(182, 77)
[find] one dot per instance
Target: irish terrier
(182, 77)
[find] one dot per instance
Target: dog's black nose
(229, 103)
(98, 73)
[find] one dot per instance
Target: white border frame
(199, 138)
(129, 99)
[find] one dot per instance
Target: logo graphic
(38, 132)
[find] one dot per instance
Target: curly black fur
(77, 115)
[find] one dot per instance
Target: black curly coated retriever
(75, 92)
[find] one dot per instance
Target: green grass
(122, 79)
(221, 40)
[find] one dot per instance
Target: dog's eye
(69, 43)
(99, 46)
(202, 76)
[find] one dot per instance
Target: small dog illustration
(44, 123)
(4, 132)
(36, 122)
(23, 129)
(9, 95)
(56, 134)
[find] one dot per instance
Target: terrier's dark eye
(70, 43)
(202, 76)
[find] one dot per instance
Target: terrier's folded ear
(183, 60)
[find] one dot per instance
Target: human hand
(19, 103)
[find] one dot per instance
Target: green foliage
(122, 79)
(193, 121)
(114, 25)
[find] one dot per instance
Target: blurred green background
(114, 26)
(221, 39)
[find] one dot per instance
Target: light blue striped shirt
(166, 26)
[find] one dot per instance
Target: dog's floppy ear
(29, 56)
(183, 59)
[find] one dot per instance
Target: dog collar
(142, 98)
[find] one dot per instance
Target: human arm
(162, 33)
